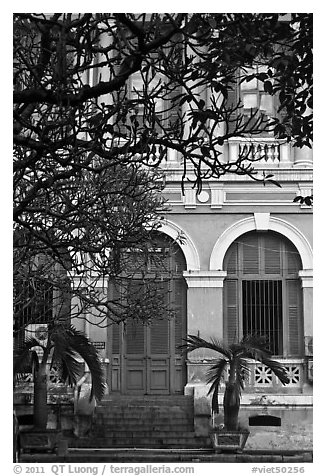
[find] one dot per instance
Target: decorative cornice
(204, 279)
(306, 276)
(280, 174)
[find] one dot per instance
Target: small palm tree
(236, 356)
(64, 345)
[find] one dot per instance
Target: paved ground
(129, 455)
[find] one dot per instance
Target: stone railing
(261, 377)
(260, 152)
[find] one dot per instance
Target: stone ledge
(199, 391)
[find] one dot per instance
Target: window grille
(262, 292)
(262, 311)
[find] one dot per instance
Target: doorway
(146, 358)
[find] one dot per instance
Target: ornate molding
(204, 279)
(249, 224)
(306, 276)
(186, 244)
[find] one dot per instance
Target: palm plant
(236, 356)
(64, 345)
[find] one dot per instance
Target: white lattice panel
(294, 372)
(263, 376)
(54, 377)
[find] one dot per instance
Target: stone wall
(295, 412)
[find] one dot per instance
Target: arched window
(262, 292)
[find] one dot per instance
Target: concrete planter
(229, 441)
(39, 440)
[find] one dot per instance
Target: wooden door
(146, 358)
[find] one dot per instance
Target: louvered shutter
(180, 308)
(159, 336)
(231, 325)
(135, 337)
(250, 252)
(294, 317)
(293, 260)
(232, 102)
(172, 115)
(272, 254)
(159, 328)
(115, 339)
(178, 260)
(115, 294)
(232, 260)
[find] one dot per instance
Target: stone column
(205, 303)
(303, 157)
(204, 315)
(285, 154)
(307, 291)
(205, 319)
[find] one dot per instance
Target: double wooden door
(146, 358)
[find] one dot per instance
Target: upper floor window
(253, 96)
(248, 101)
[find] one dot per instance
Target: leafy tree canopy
(100, 100)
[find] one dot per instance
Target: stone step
(165, 415)
(140, 420)
(145, 427)
(165, 420)
(149, 398)
(146, 456)
(140, 433)
(166, 403)
(144, 410)
(143, 422)
(130, 442)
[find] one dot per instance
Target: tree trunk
(231, 405)
(40, 398)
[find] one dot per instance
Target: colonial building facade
(240, 255)
(244, 265)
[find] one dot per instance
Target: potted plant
(63, 346)
(234, 357)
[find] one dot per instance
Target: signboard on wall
(99, 345)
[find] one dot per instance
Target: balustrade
(260, 376)
(260, 152)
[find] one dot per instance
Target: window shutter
(178, 261)
(159, 336)
(294, 318)
(173, 112)
(272, 253)
(232, 102)
(250, 255)
(293, 260)
(135, 337)
(232, 260)
(115, 295)
(159, 328)
(115, 338)
(231, 327)
(180, 310)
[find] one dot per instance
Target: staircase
(144, 422)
